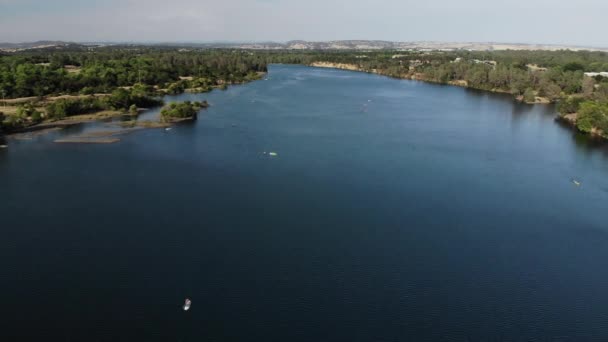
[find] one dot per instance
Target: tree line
(530, 76)
(120, 78)
(41, 73)
(145, 72)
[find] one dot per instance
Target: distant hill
(33, 45)
(48, 45)
(386, 45)
(308, 45)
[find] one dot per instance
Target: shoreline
(570, 119)
(104, 114)
(420, 77)
(67, 122)
(48, 126)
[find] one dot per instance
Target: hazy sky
(580, 22)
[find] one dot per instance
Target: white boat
(168, 129)
(187, 304)
(272, 154)
(577, 183)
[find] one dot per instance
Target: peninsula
(47, 87)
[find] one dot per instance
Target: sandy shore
(87, 141)
(342, 66)
(69, 121)
(421, 77)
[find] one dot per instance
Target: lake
(394, 210)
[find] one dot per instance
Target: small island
(184, 111)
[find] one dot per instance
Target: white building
(594, 74)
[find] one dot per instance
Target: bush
(27, 111)
(139, 96)
(176, 88)
(529, 96)
(592, 115)
(182, 110)
(569, 105)
(133, 110)
(574, 66)
(68, 107)
(87, 91)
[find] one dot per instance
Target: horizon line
(160, 42)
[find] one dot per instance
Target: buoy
(187, 304)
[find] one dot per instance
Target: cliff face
(336, 66)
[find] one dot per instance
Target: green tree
(133, 110)
(592, 115)
(574, 66)
(569, 105)
(529, 95)
(120, 98)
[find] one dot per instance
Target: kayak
(187, 304)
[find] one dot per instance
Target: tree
(588, 86)
(182, 110)
(28, 112)
(58, 109)
(592, 115)
(569, 105)
(574, 66)
(519, 82)
(133, 110)
(529, 96)
(120, 98)
(601, 94)
(550, 90)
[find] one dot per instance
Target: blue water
(394, 211)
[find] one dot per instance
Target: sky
(580, 22)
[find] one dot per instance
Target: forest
(119, 77)
(111, 78)
(41, 73)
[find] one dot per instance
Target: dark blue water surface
(394, 211)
